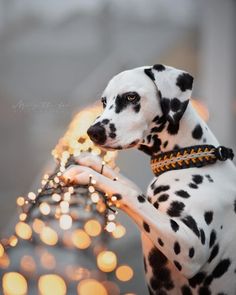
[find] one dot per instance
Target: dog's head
(136, 98)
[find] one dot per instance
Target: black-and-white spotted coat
(188, 217)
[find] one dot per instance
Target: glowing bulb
(20, 201)
(119, 231)
(31, 196)
(80, 239)
(38, 225)
(91, 287)
(56, 197)
(56, 179)
(13, 241)
(111, 217)
(22, 217)
(110, 227)
(106, 261)
(51, 284)
(1, 250)
(71, 190)
(65, 221)
(64, 207)
(27, 263)
(67, 196)
(44, 208)
(14, 283)
(91, 189)
(95, 197)
(23, 230)
(49, 236)
(47, 260)
(4, 261)
(93, 227)
(124, 273)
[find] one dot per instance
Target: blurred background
(56, 57)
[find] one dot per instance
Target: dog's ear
(174, 89)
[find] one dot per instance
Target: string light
(68, 217)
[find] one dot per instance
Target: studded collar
(189, 157)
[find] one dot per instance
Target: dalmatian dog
(187, 219)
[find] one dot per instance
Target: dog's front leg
(173, 237)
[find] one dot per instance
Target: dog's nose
(97, 134)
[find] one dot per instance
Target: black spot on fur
(137, 108)
(176, 179)
(174, 225)
(191, 252)
(235, 206)
(193, 185)
(146, 227)
(112, 127)
(177, 248)
(165, 144)
(197, 179)
(161, 188)
(185, 82)
(197, 279)
(153, 184)
(182, 194)
(190, 222)
(160, 242)
(208, 215)
(150, 74)
(212, 238)
(111, 107)
(141, 199)
(204, 291)
(163, 198)
(186, 290)
(175, 209)
(159, 67)
(176, 147)
(209, 178)
(150, 291)
(221, 268)
(105, 121)
(214, 252)
(203, 237)
(156, 205)
(178, 265)
(173, 117)
(156, 258)
(197, 132)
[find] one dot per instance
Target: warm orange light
(13, 241)
(80, 239)
(201, 109)
(101, 207)
(47, 260)
(1, 250)
(20, 201)
(106, 261)
(111, 288)
(65, 221)
(23, 230)
(110, 227)
(27, 263)
(4, 261)
(44, 208)
(22, 216)
(31, 196)
(119, 231)
(91, 287)
(51, 284)
(14, 283)
(124, 273)
(93, 227)
(38, 225)
(49, 236)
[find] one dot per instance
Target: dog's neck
(192, 131)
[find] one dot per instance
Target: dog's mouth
(119, 147)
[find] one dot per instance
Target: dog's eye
(131, 96)
(104, 101)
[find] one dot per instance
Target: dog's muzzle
(97, 134)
